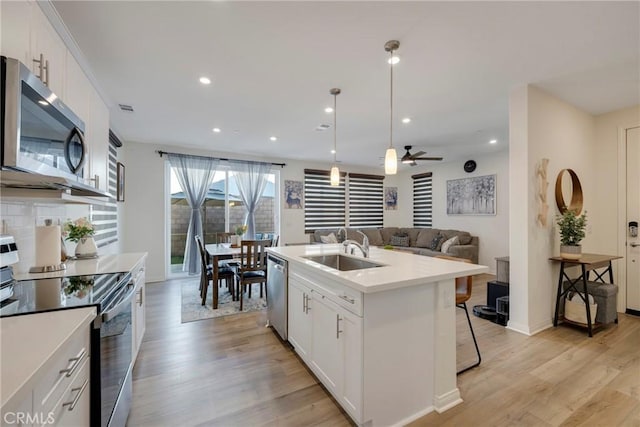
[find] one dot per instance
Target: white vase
(86, 248)
(570, 252)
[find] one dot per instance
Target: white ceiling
(273, 63)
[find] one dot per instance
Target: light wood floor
(232, 371)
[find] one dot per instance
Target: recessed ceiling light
(493, 141)
(393, 60)
(333, 151)
(406, 120)
(205, 80)
(216, 130)
(328, 110)
(41, 102)
(273, 138)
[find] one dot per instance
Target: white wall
(144, 216)
(542, 126)
(492, 230)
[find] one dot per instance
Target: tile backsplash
(19, 219)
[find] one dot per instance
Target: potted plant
(81, 231)
(572, 231)
(240, 230)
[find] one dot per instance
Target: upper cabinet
(27, 35)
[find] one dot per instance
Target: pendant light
(335, 172)
(391, 157)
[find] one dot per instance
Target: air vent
(322, 127)
(127, 108)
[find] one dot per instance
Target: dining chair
(463, 293)
(253, 267)
(209, 273)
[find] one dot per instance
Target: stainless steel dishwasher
(277, 294)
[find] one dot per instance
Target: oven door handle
(124, 301)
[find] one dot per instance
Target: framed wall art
(390, 198)
(472, 196)
(293, 194)
(120, 182)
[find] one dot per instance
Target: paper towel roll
(47, 245)
(48, 293)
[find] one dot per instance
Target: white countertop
(103, 264)
(400, 269)
(27, 342)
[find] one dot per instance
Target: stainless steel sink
(343, 262)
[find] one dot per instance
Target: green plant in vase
(81, 231)
(572, 231)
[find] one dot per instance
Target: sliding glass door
(223, 211)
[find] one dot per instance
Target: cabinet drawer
(73, 407)
(344, 296)
(60, 369)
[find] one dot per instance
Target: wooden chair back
(203, 253)
(463, 284)
(253, 256)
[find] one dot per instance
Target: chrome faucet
(364, 247)
(342, 232)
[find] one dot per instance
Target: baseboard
(632, 312)
(526, 329)
(414, 417)
(447, 401)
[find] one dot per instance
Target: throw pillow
(331, 238)
(400, 239)
(451, 242)
(435, 242)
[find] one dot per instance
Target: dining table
(218, 252)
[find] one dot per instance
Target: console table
(587, 263)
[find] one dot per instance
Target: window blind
(366, 198)
(422, 200)
(324, 205)
(105, 217)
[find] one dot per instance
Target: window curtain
(251, 178)
(195, 175)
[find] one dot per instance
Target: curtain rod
(160, 152)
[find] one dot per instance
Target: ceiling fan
(410, 159)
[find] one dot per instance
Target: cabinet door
(77, 88)
(299, 332)
(46, 41)
(74, 408)
(351, 338)
(97, 137)
(139, 312)
(15, 27)
(326, 359)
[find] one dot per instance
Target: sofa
(421, 241)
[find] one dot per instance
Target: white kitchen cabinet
(77, 87)
(299, 310)
(326, 358)
(138, 309)
(97, 139)
(74, 407)
(15, 30)
(328, 337)
(47, 45)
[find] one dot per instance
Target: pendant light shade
(335, 172)
(335, 176)
(391, 162)
(391, 157)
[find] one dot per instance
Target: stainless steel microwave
(40, 133)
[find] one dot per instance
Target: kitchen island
(380, 337)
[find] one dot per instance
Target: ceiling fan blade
(427, 158)
(418, 154)
(413, 163)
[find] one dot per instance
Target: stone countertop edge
(399, 270)
(119, 263)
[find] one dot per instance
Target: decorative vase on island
(570, 251)
(86, 248)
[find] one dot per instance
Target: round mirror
(568, 188)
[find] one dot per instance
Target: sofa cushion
(412, 233)
(425, 237)
(400, 239)
(387, 232)
(331, 238)
(448, 243)
(464, 238)
(352, 234)
(374, 235)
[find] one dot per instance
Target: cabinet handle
(76, 362)
(141, 297)
(46, 73)
(304, 303)
(40, 63)
(347, 299)
(80, 390)
(96, 180)
(338, 326)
